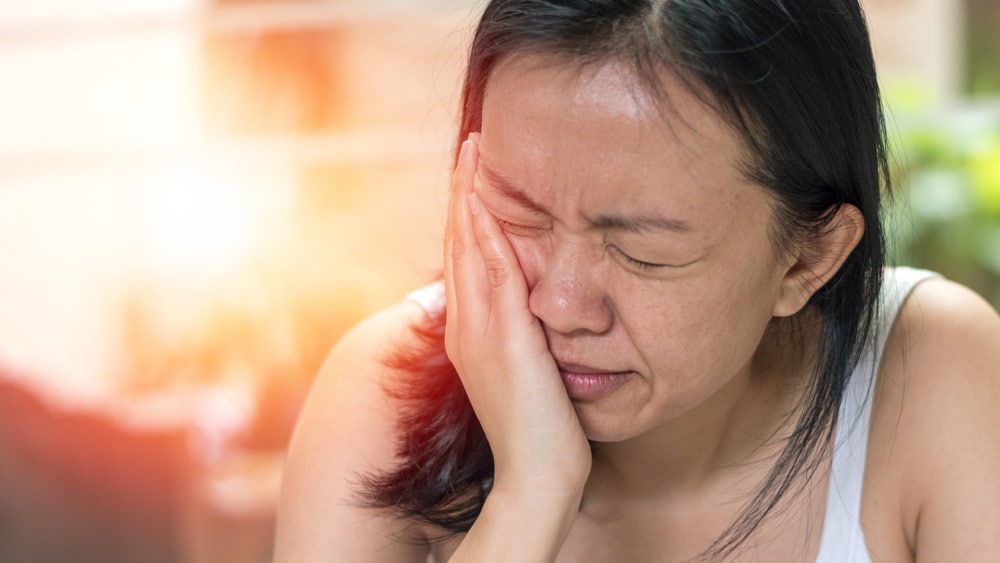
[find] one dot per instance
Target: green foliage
(946, 215)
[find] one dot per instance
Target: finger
(472, 290)
(451, 228)
(463, 265)
(503, 270)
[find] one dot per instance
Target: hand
(499, 349)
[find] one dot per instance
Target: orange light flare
(211, 240)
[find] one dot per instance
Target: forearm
(522, 528)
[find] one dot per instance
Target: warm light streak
(92, 96)
(60, 20)
(146, 243)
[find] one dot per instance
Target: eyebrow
(638, 223)
(631, 223)
(507, 189)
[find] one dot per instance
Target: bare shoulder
(936, 425)
(346, 429)
(946, 344)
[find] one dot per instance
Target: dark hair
(796, 80)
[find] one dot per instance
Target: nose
(568, 294)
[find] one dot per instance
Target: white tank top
(430, 297)
(843, 540)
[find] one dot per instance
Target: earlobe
(819, 259)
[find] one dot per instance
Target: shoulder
(946, 338)
(937, 421)
(346, 429)
(351, 383)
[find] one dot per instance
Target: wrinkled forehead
(589, 139)
(659, 99)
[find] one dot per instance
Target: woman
(666, 334)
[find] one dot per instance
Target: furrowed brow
(638, 223)
(507, 189)
(629, 223)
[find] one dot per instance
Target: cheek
(692, 322)
(531, 257)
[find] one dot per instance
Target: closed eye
(517, 229)
(637, 263)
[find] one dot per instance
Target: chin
(602, 426)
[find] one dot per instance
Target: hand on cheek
(500, 352)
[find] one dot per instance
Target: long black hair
(796, 80)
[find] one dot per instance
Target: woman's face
(646, 252)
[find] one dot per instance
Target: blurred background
(198, 197)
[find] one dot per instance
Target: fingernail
(474, 205)
(474, 137)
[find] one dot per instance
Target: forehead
(658, 99)
(550, 123)
(609, 86)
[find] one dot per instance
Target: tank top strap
(430, 297)
(843, 539)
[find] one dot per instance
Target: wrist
(535, 520)
(537, 491)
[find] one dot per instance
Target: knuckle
(459, 248)
(498, 271)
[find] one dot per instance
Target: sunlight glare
(200, 224)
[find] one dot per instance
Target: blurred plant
(946, 216)
(982, 45)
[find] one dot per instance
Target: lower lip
(593, 386)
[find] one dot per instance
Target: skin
(536, 289)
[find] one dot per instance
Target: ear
(818, 259)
